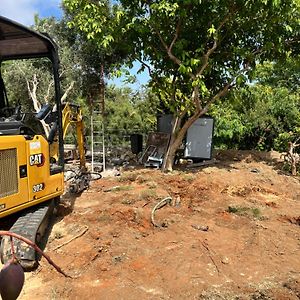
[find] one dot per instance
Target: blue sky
(23, 11)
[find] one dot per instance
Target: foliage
(126, 110)
(280, 74)
(94, 24)
(229, 128)
(263, 115)
(245, 211)
(130, 111)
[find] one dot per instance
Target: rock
(110, 173)
(201, 228)
(225, 260)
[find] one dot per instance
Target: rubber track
(29, 226)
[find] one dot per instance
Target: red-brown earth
(232, 231)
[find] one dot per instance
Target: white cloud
(19, 10)
(23, 11)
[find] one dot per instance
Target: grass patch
(104, 217)
(252, 212)
(148, 194)
(142, 178)
(127, 201)
(128, 177)
(152, 185)
(189, 177)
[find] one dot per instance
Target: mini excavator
(32, 162)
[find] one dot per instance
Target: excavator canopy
(19, 42)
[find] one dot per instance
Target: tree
(101, 52)
(129, 110)
(258, 117)
(195, 51)
(265, 114)
(283, 74)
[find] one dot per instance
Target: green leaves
(184, 69)
(165, 7)
(130, 111)
(241, 79)
(212, 30)
(107, 40)
(268, 110)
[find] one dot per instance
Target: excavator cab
(31, 163)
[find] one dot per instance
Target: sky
(23, 11)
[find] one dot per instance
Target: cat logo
(36, 159)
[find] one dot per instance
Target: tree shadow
(226, 159)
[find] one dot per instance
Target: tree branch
(66, 93)
(173, 87)
(145, 65)
(211, 50)
(176, 34)
(195, 97)
(46, 98)
(223, 91)
(170, 54)
(169, 48)
(32, 92)
(220, 94)
(206, 58)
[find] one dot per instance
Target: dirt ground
(231, 231)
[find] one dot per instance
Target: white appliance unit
(199, 139)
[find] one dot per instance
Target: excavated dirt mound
(231, 231)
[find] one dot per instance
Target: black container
(136, 141)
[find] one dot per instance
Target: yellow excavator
(31, 162)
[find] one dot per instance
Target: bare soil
(231, 231)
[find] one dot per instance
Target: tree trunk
(177, 137)
(175, 142)
(36, 104)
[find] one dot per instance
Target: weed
(252, 212)
(148, 194)
(189, 178)
(141, 179)
(122, 188)
(54, 294)
(256, 213)
(104, 217)
(152, 185)
(127, 201)
(58, 235)
(128, 177)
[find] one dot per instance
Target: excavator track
(32, 225)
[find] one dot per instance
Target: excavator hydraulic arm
(72, 116)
